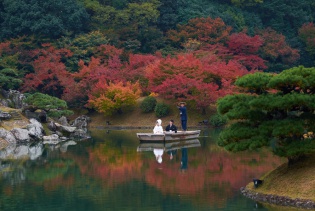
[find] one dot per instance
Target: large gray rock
(51, 126)
(15, 97)
(5, 102)
(35, 129)
(21, 135)
(81, 122)
(7, 135)
(63, 128)
(63, 121)
(4, 115)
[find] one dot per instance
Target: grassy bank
(295, 181)
(137, 118)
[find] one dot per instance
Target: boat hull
(181, 135)
(169, 136)
(168, 146)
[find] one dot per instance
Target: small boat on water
(168, 136)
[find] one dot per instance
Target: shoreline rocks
(278, 200)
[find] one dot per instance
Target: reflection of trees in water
(210, 175)
(108, 170)
(12, 172)
(112, 164)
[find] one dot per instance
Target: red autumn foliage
(107, 67)
(50, 74)
(241, 43)
(275, 47)
(199, 78)
(245, 50)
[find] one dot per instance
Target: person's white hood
(159, 122)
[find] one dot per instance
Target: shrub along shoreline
(292, 186)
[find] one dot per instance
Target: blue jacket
(183, 113)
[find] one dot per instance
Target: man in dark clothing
(183, 115)
(171, 127)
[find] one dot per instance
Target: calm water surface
(112, 171)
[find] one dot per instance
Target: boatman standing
(183, 115)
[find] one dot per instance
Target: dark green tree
(230, 14)
(9, 79)
(275, 110)
(83, 46)
(168, 14)
(54, 107)
(284, 16)
(47, 18)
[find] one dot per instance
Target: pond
(112, 171)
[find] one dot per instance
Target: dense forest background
(104, 54)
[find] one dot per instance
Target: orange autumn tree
(115, 97)
(205, 30)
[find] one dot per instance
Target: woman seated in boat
(158, 129)
(171, 127)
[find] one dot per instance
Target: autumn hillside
(104, 55)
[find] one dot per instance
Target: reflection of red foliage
(212, 176)
(217, 174)
(60, 181)
(112, 167)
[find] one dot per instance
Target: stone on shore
(21, 135)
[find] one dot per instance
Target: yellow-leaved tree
(114, 97)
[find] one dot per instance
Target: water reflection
(184, 161)
(99, 174)
(31, 152)
(171, 149)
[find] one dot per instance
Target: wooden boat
(168, 136)
(168, 146)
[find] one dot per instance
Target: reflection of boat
(169, 136)
(168, 146)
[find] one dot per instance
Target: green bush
(54, 107)
(218, 120)
(161, 109)
(9, 79)
(148, 104)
